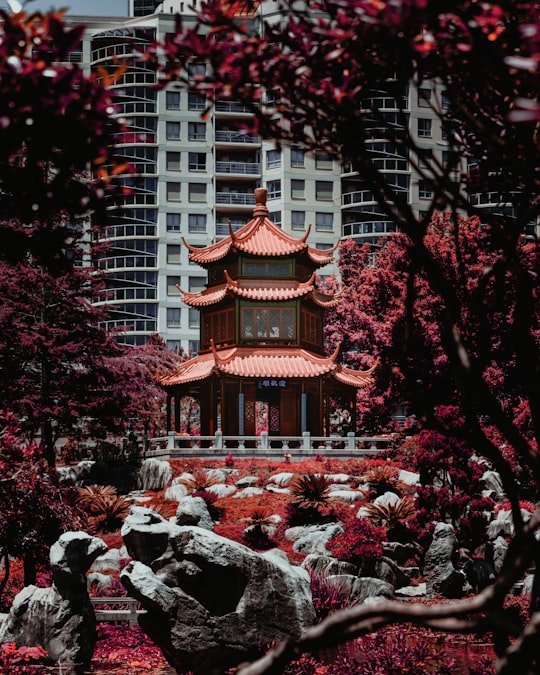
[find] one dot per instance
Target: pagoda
(261, 337)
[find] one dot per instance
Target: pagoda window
(258, 269)
(219, 326)
(311, 328)
(268, 323)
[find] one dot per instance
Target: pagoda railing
(304, 446)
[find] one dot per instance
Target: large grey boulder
(60, 618)
(154, 474)
(441, 577)
(383, 569)
(312, 538)
(194, 511)
(326, 565)
(211, 603)
(359, 589)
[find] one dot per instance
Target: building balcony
(379, 227)
(358, 197)
(237, 138)
(235, 199)
(225, 108)
(250, 169)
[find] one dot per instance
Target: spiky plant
(383, 479)
(311, 495)
(199, 480)
(311, 490)
(392, 513)
(257, 531)
(106, 508)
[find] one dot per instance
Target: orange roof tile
(259, 237)
(258, 362)
(260, 290)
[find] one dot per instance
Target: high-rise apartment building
(195, 178)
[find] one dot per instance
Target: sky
(91, 7)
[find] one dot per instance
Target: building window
(172, 100)
(197, 192)
(424, 189)
(324, 190)
(298, 189)
(174, 346)
(275, 217)
(173, 161)
(450, 159)
(297, 158)
(194, 346)
(273, 159)
(424, 97)
(197, 284)
(324, 222)
(298, 220)
(173, 254)
(197, 161)
(196, 70)
(425, 158)
(173, 222)
(323, 161)
(424, 127)
(274, 189)
(173, 131)
(194, 318)
(174, 316)
(196, 102)
(196, 131)
(197, 222)
(173, 192)
(172, 283)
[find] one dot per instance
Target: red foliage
(22, 660)
(128, 648)
(360, 539)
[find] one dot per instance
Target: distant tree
(58, 365)
(329, 71)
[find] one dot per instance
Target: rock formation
(60, 618)
(211, 603)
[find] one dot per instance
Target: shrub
(359, 540)
(327, 596)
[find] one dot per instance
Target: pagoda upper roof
(261, 290)
(259, 237)
(280, 362)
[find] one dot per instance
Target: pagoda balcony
(174, 446)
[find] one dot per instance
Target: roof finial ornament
(260, 209)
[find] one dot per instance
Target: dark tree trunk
(29, 564)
